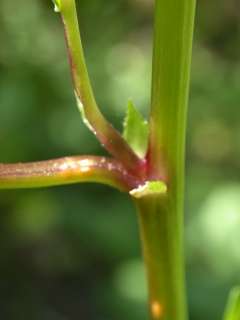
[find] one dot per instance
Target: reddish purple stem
(66, 171)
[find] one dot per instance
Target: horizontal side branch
(66, 170)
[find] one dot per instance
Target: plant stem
(161, 237)
(161, 218)
(232, 311)
(106, 134)
(66, 170)
(173, 33)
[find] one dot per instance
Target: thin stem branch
(106, 134)
(66, 170)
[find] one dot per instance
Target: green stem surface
(161, 218)
(232, 311)
(173, 34)
(164, 259)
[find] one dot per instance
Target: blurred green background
(73, 252)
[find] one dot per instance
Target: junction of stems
(110, 138)
(161, 218)
(159, 203)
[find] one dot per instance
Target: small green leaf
(150, 188)
(136, 130)
(57, 5)
(232, 311)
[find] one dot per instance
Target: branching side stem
(66, 170)
(106, 134)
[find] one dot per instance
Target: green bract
(57, 5)
(135, 130)
(150, 188)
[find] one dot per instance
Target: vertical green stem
(163, 254)
(161, 219)
(172, 48)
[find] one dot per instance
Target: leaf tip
(135, 130)
(57, 5)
